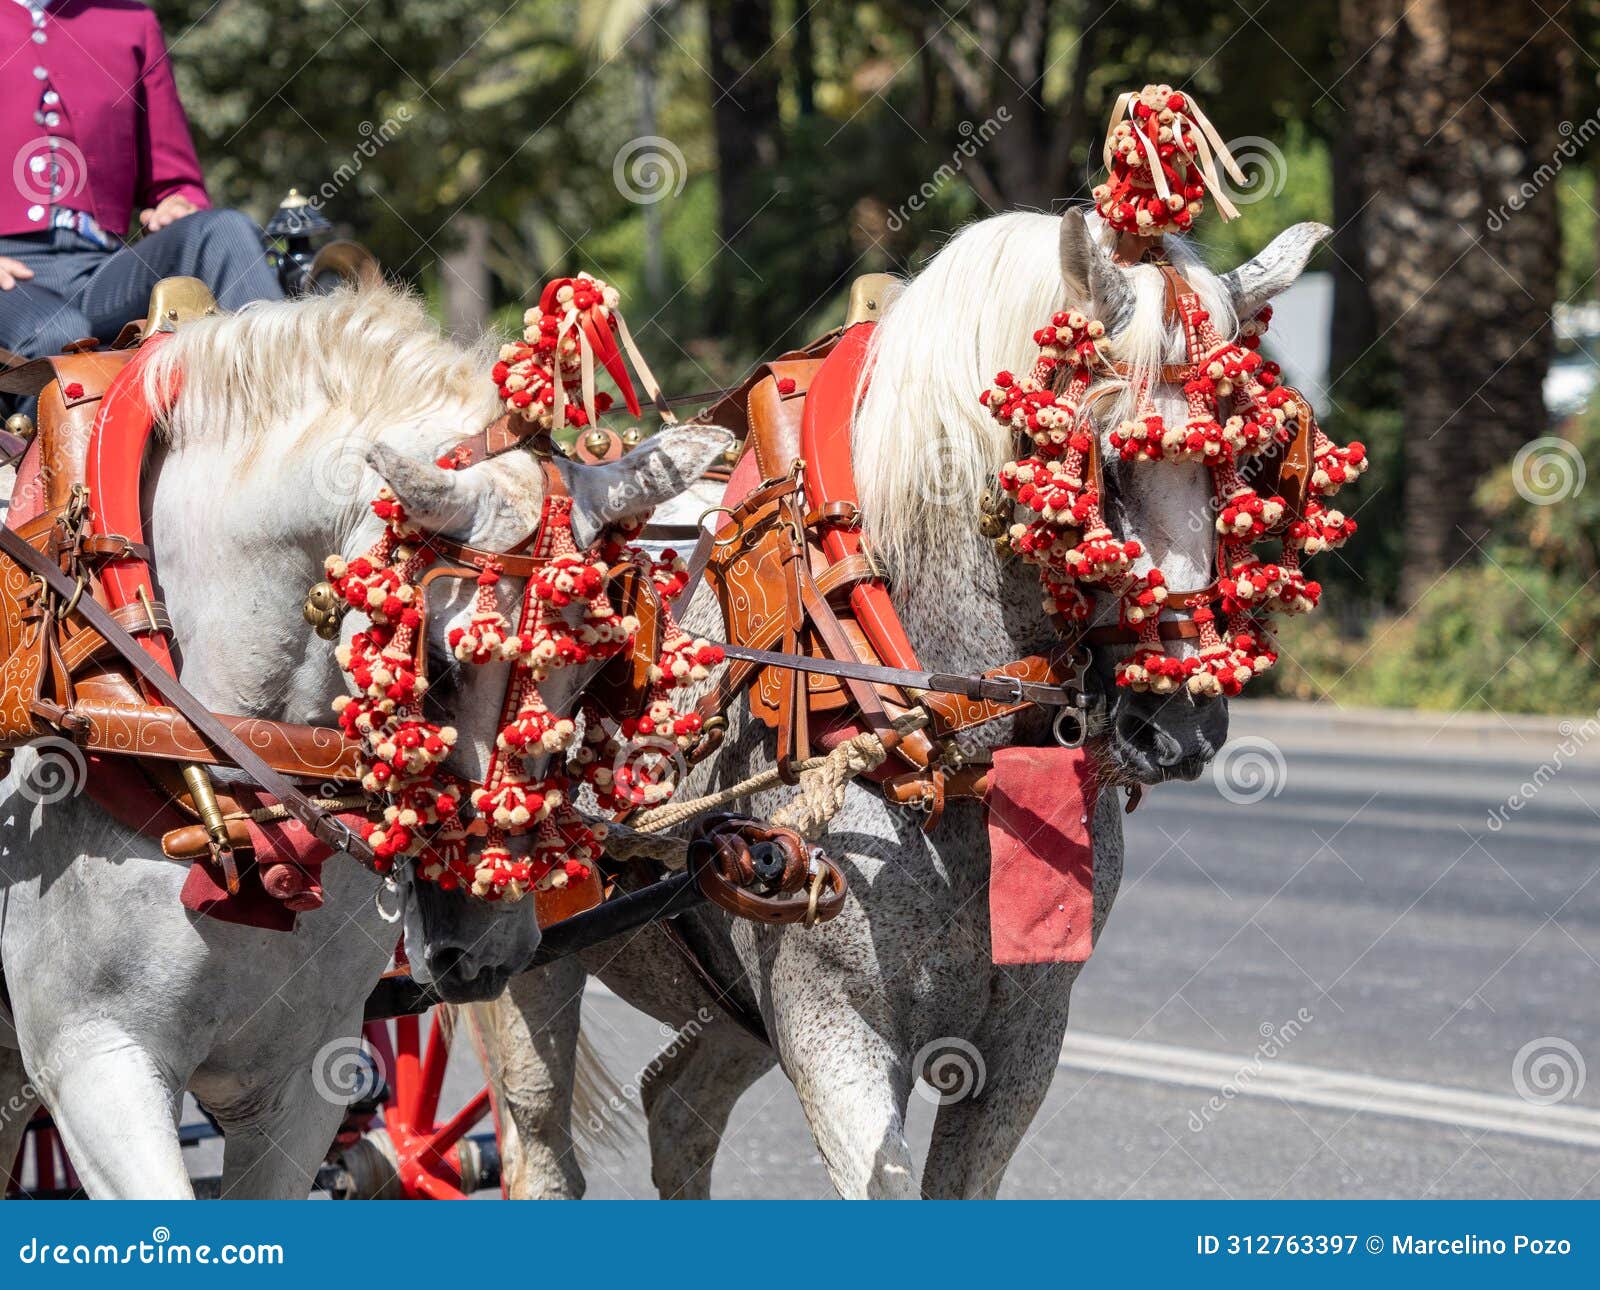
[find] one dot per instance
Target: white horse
(290, 418)
(859, 1008)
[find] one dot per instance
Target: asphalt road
(1340, 983)
(1402, 953)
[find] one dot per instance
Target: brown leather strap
(1171, 374)
(318, 821)
(28, 377)
(999, 684)
(736, 678)
(495, 438)
(711, 537)
(111, 716)
(1178, 629)
(114, 546)
(955, 713)
(135, 619)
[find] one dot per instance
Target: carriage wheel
(414, 1156)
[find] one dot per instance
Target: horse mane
(923, 447)
(349, 363)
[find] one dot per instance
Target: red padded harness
(831, 485)
(112, 472)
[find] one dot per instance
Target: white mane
(924, 449)
(372, 351)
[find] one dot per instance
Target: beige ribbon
(647, 378)
(1117, 109)
(586, 359)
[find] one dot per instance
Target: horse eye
(444, 680)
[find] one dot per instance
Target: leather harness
(95, 659)
(814, 640)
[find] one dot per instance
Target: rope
(822, 784)
(822, 788)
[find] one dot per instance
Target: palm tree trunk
(745, 76)
(1454, 111)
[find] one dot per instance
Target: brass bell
(630, 437)
(993, 521)
(730, 454)
(324, 610)
(596, 442)
(20, 424)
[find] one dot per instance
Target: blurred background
(733, 165)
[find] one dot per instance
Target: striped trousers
(79, 289)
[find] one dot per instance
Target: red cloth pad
(1041, 872)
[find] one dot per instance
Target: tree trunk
(1354, 328)
(465, 286)
(647, 43)
(1456, 130)
(744, 112)
(805, 62)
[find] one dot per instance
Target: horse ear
(660, 468)
(1256, 281)
(1089, 274)
(436, 499)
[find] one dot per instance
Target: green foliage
(1515, 633)
(1290, 180)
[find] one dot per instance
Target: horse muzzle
(1159, 737)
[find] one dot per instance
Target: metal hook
(1080, 727)
(390, 885)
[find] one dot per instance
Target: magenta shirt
(123, 140)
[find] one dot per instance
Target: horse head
(1167, 507)
(466, 947)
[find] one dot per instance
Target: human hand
(168, 211)
(12, 272)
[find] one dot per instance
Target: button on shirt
(44, 165)
(98, 122)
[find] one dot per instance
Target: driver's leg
(36, 321)
(223, 248)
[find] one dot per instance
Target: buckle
(1010, 687)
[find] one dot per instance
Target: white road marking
(1339, 1090)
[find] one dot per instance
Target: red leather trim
(112, 471)
(830, 478)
